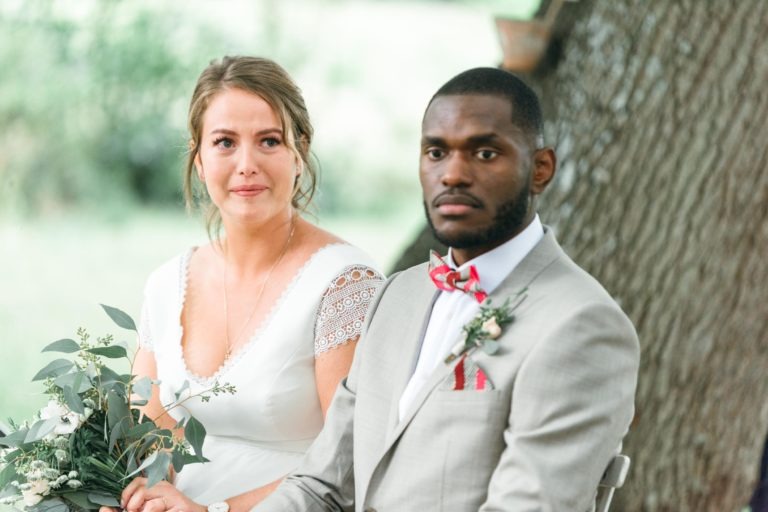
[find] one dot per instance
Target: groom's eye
(435, 153)
(486, 154)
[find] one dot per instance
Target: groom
(526, 413)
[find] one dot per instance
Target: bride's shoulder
(333, 250)
(314, 237)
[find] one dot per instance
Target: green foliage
(89, 110)
(483, 330)
(90, 439)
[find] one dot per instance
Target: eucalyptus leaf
(14, 439)
(52, 505)
(121, 318)
(192, 459)
(103, 499)
(167, 438)
(117, 409)
(72, 399)
(140, 430)
(139, 403)
(118, 432)
(8, 475)
(147, 462)
(194, 431)
(158, 470)
(111, 352)
(147, 445)
(65, 345)
(79, 499)
(177, 459)
(110, 376)
(54, 369)
(143, 387)
(40, 429)
(490, 347)
(70, 379)
(11, 456)
(131, 458)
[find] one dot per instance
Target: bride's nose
(248, 163)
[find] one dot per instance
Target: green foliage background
(93, 100)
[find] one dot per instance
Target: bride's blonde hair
(271, 82)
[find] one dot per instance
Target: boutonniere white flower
(486, 327)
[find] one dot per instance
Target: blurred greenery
(93, 99)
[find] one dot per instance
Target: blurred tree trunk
(659, 114)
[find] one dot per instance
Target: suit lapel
(426, 294)
(441, 372)
(539, 258)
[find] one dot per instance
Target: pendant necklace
(230, 343)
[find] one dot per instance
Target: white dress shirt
(453, 310)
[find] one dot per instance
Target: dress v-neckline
(242, 350)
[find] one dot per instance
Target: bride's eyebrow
(227, 131)
(266, 131)
(223, 131)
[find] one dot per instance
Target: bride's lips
(248, 190)
(455, 204)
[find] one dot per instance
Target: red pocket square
(467, 375)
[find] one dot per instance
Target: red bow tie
(445, 278)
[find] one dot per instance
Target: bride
(273, 305)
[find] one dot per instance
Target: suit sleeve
(572, 403)
(325, 479)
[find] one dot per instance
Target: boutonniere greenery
(485, 328)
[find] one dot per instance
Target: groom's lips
(448, 204)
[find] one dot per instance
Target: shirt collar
(496, 264)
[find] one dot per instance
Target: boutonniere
(483, 330)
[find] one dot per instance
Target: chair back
(613, 478)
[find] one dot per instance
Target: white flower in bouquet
(91, 439)
(69, 421)
(34, 491)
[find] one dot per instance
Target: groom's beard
(507, 222)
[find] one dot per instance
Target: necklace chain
(230, 343)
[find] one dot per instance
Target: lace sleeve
(343, 306)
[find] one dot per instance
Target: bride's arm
(330, 368)
(339, 322)
(144, 365)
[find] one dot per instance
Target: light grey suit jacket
(564, 383)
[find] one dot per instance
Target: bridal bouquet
(90, 440)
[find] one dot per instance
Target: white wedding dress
(260, 433)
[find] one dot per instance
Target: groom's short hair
(526, 109)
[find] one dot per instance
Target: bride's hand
(161, 497)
